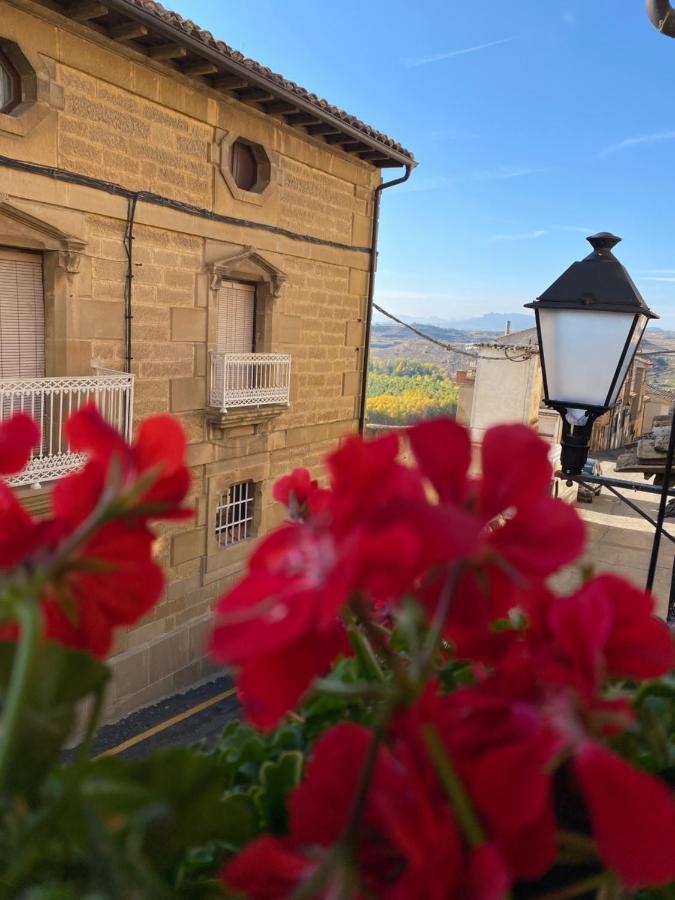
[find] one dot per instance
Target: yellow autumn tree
(401, 409)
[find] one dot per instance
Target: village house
(506, 386)
(184, 231)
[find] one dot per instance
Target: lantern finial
(603, 240)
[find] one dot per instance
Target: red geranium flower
(267, 869)
(372, 534)
(157, 454)
(407, 842)
(280, 623)
(18, 436)
(545, 700)
(632, 816)
(299, 492)
(519, 534)
(108, 579)
(111, 581)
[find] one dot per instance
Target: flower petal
(632, 815)
(18, 436)
(266, 869)
(442, 449)
(516, 469)
(88, 432)
(538, 540)
(161, 442)
(271, 685)
(321, 805)
(640, 645)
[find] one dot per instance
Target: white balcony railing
(50, 401)
(249, 379)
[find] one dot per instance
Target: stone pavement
(620, 541)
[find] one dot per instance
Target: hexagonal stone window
(10, 85)
(250, 166)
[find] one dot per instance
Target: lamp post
(590, 322)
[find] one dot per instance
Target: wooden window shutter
(236, 318)
(22, 316)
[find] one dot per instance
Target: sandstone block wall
(119, 117)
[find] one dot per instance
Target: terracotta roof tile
(194, 31)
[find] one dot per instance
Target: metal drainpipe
(662, 16)
(129, 280)
(371, 289)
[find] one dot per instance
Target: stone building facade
(181, 212)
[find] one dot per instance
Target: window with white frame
(234, 514)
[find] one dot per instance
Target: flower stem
(454, 788)
(365, 654)
(342, 853)
(575, 889)
(30, 620)
(84, 750)
(435, 634)
(581, 845)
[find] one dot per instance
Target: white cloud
(577, 229)
(501, 171)
(640, 140)
(518, 236)
(670, 278)
(411, 62)
(433, 182)
(657, 271)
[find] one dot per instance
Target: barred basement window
(234, 514)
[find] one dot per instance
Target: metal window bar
(234, 515)
(249, 379)
(51, 401)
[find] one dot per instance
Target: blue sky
(534, 124)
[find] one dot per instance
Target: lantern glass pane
(581, 351)
(640, 326)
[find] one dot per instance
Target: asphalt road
(197, 714)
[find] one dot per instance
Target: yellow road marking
(167, 723)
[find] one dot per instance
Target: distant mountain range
(494, 322)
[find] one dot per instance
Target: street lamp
(590, 322)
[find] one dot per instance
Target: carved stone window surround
(39, 92)
(267, 168)
(248, 265)
(227, 269)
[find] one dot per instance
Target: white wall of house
(505, 390)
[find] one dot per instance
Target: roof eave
(389, 156)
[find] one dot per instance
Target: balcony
(50, 401)
(244, 380)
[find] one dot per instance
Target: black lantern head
(590, 323)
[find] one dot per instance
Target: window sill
(245, 415)
(224, 562)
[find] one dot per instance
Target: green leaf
(189, 786)
(60, 679)
(277, 780)
(243, 819)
